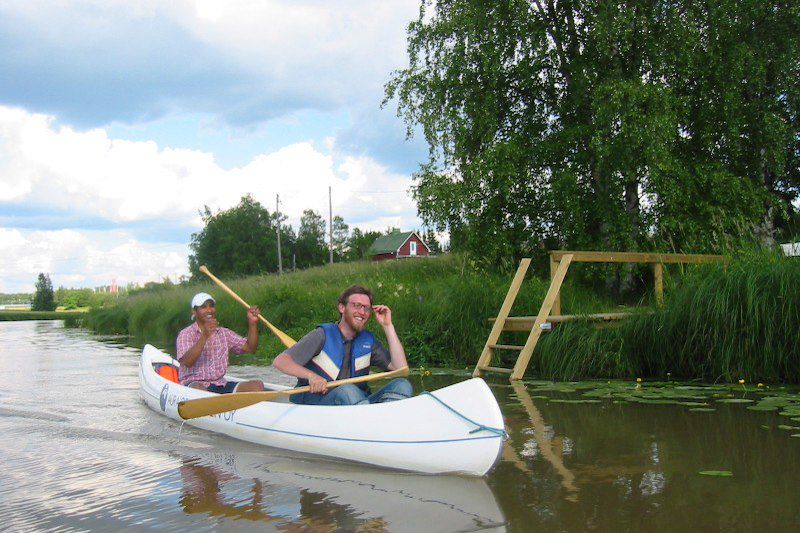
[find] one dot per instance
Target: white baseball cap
(200, 298)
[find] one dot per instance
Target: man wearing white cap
(204, 346)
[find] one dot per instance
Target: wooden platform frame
(550, 311)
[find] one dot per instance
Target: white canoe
(457, 429)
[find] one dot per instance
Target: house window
(413, 248)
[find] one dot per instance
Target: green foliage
(70, 317)
(612, 125)
(16, 298)
(239, 241)
(359, 243)
(440, 306)
(310, 249)
(736, 322)
(740, 321)
(71, 299)
(43, 298)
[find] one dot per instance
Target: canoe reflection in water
(326, 496)
(212, 490)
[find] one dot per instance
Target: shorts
(228, 388)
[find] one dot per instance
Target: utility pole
(330, 224)
(278, 227)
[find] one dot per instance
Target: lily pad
(735, 400)
(788, 428)
(771, 403)
(701, 409)
(760, 407)
(795, 435)
(560, 400)
(718, 473)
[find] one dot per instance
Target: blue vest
(328, 363)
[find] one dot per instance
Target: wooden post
(527, 351)
(499, 323)
(658, 276)
(553, 268)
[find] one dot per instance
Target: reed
(725, 323)
(719, 323)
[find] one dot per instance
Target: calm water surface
(81, 451)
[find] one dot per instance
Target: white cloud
(87, 174)
(243, 60)
(126, 181)
(84, 259)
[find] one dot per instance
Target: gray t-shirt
(311, 344)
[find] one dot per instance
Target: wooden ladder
(526, 351)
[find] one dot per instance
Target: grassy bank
(439, 305)
(738, 322)
(11, 315)
(718, 324)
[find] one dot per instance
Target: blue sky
(120, 120)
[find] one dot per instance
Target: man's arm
(305, 349)
(252, 330)
(396, 351)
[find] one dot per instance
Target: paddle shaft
(222, 403)
(284, 338)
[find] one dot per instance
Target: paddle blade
(213, 405)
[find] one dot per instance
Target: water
(81, 451)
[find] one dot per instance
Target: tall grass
(741, 321)
(736, 322)
(440, 306)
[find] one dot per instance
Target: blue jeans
(397, 389)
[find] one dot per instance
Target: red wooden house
(398, 245)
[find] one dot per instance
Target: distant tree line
(46, 299)
(619, 125)
(243, 241)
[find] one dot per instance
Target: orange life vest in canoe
(168, 372)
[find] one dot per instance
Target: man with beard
(204, 346)
(343, 350)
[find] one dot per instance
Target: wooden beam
(544, 312)
(553, 269)
(636, 257)
(506, 347)
(505, 309)
(496, 369)
(525, 323)
(658, 283)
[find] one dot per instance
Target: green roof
(389, 244)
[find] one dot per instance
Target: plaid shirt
(212, 364)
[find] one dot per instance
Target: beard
(356, 325)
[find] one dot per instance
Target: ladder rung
(496, 369)
(506, 347)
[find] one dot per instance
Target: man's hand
(317, 384)
(252, 315)
(208, 327)
(383, 315)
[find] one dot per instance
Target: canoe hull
(449, 433)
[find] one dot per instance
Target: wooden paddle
(284, 338)
(222, 403)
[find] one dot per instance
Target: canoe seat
(167, 371)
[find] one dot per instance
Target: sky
(120, 121)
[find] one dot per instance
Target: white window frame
(412, 248)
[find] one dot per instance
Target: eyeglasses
(361, 307)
